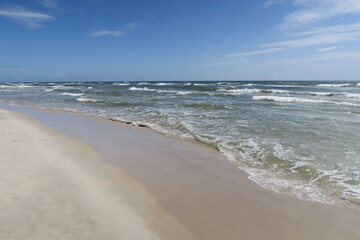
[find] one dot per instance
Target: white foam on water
(303, 100)
(142, 89)
(288, 99)
(241, 91)
(175, 92)
(165, 84)
(144, 83)
(72, 94)
(84, 99)
(121, 84)
(351, 95)
(334, 85)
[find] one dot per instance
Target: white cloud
(311, 25)
(130, 27)
(322, 57)
(273, 2)
(328, 49)
(252, 53)
(49, 3)
(319, 39)
(316, 11)
(108, 33)
(31, 20)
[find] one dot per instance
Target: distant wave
(176, 92)
(121, 84)
(72, 94)
(142, 89)
(288, 99)
(242, 91)
(84, 99)
(358, 84)
(303, 100)
(334, 85)
(143, 83)
(16, 86)
(280, 91)
(164, 84)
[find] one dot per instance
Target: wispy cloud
(316, 11)
(318, 39)
(302, 29)
(328, 49)
(252, 53)
(273, 2)
(31, 20)
(108, 33)
(130, 27)
(49, 3)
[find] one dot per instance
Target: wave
(358, 84)
(288, 99)
(303, 100)
(143, 83)
(334, 85)
(121, 84)
(72, 94)
(142, 89)
(84, 99)
(164, 84)
(280, 91)
(176, 92)
(17, 86)
(241, 91)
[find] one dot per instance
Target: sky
(145, 40)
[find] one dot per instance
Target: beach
(70, 176)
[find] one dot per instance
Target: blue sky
(63, 40)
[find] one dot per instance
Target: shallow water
(300, 138)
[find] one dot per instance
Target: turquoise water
(299, 138)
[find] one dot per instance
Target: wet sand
(204, 194)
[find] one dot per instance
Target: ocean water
(298, 138)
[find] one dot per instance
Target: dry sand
(54, 187)
(177, 189)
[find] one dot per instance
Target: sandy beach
(124, 182)
(54, 187)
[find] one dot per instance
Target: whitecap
(83, 99)
(334, 85)
(241, 91)
(72, 94)
(121, 84)
(303, 100)
(142, 89)
(164, 84)
(288, 99)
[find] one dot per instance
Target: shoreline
(200, 190)
(341, 202)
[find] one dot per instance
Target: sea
(300, 138)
